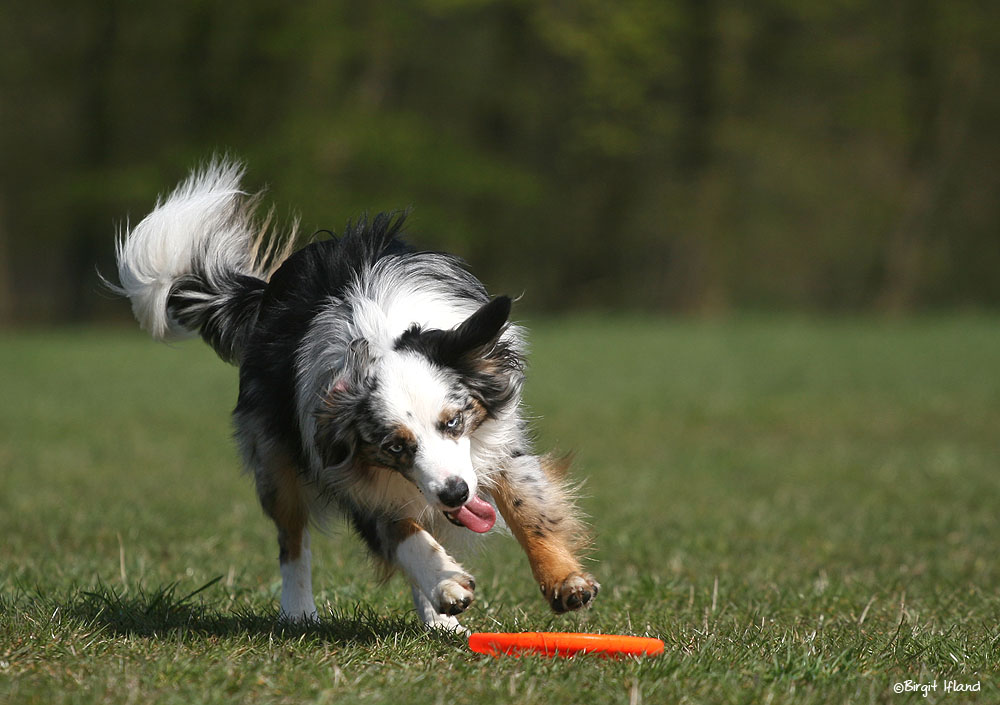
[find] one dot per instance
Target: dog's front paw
(454, 594)
(575, 591)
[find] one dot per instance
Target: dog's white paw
(454, 594)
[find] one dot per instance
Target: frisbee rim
(563, 644)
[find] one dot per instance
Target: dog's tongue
(477, 515)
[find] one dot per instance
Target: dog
(375, 380)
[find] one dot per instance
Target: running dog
(375, 380)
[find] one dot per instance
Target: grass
(804, 511)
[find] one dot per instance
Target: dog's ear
(470, 339)
(491, 368)
(334, 437)
(481, 328)
(357, 364)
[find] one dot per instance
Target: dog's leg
(281, 496)
(296, 576)
(441, 587)
(532, 498)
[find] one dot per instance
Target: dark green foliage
(653, 154)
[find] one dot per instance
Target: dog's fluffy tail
(200, 261)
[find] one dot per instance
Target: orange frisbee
(563, 644)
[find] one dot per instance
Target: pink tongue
(476, 516)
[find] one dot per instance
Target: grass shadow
(165, 611)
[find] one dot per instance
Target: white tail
(204, 228)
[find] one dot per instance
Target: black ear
(471, 338)
(482, 327)
(472, 335)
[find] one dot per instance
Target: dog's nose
(455, 492)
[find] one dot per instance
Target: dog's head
(415, 409)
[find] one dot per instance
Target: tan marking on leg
(549, 552)
(391, 534)
(557, 467)
(403, 529)
(544, 520)
(281, 496)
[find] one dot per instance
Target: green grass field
(803, 511)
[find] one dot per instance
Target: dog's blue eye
(453, 422)
(394, 448)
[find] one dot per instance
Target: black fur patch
(291, 300)
(224, 315)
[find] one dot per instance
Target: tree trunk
(6, 295)
(906, 245)
(698, 269)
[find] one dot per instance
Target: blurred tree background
(672, 155)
